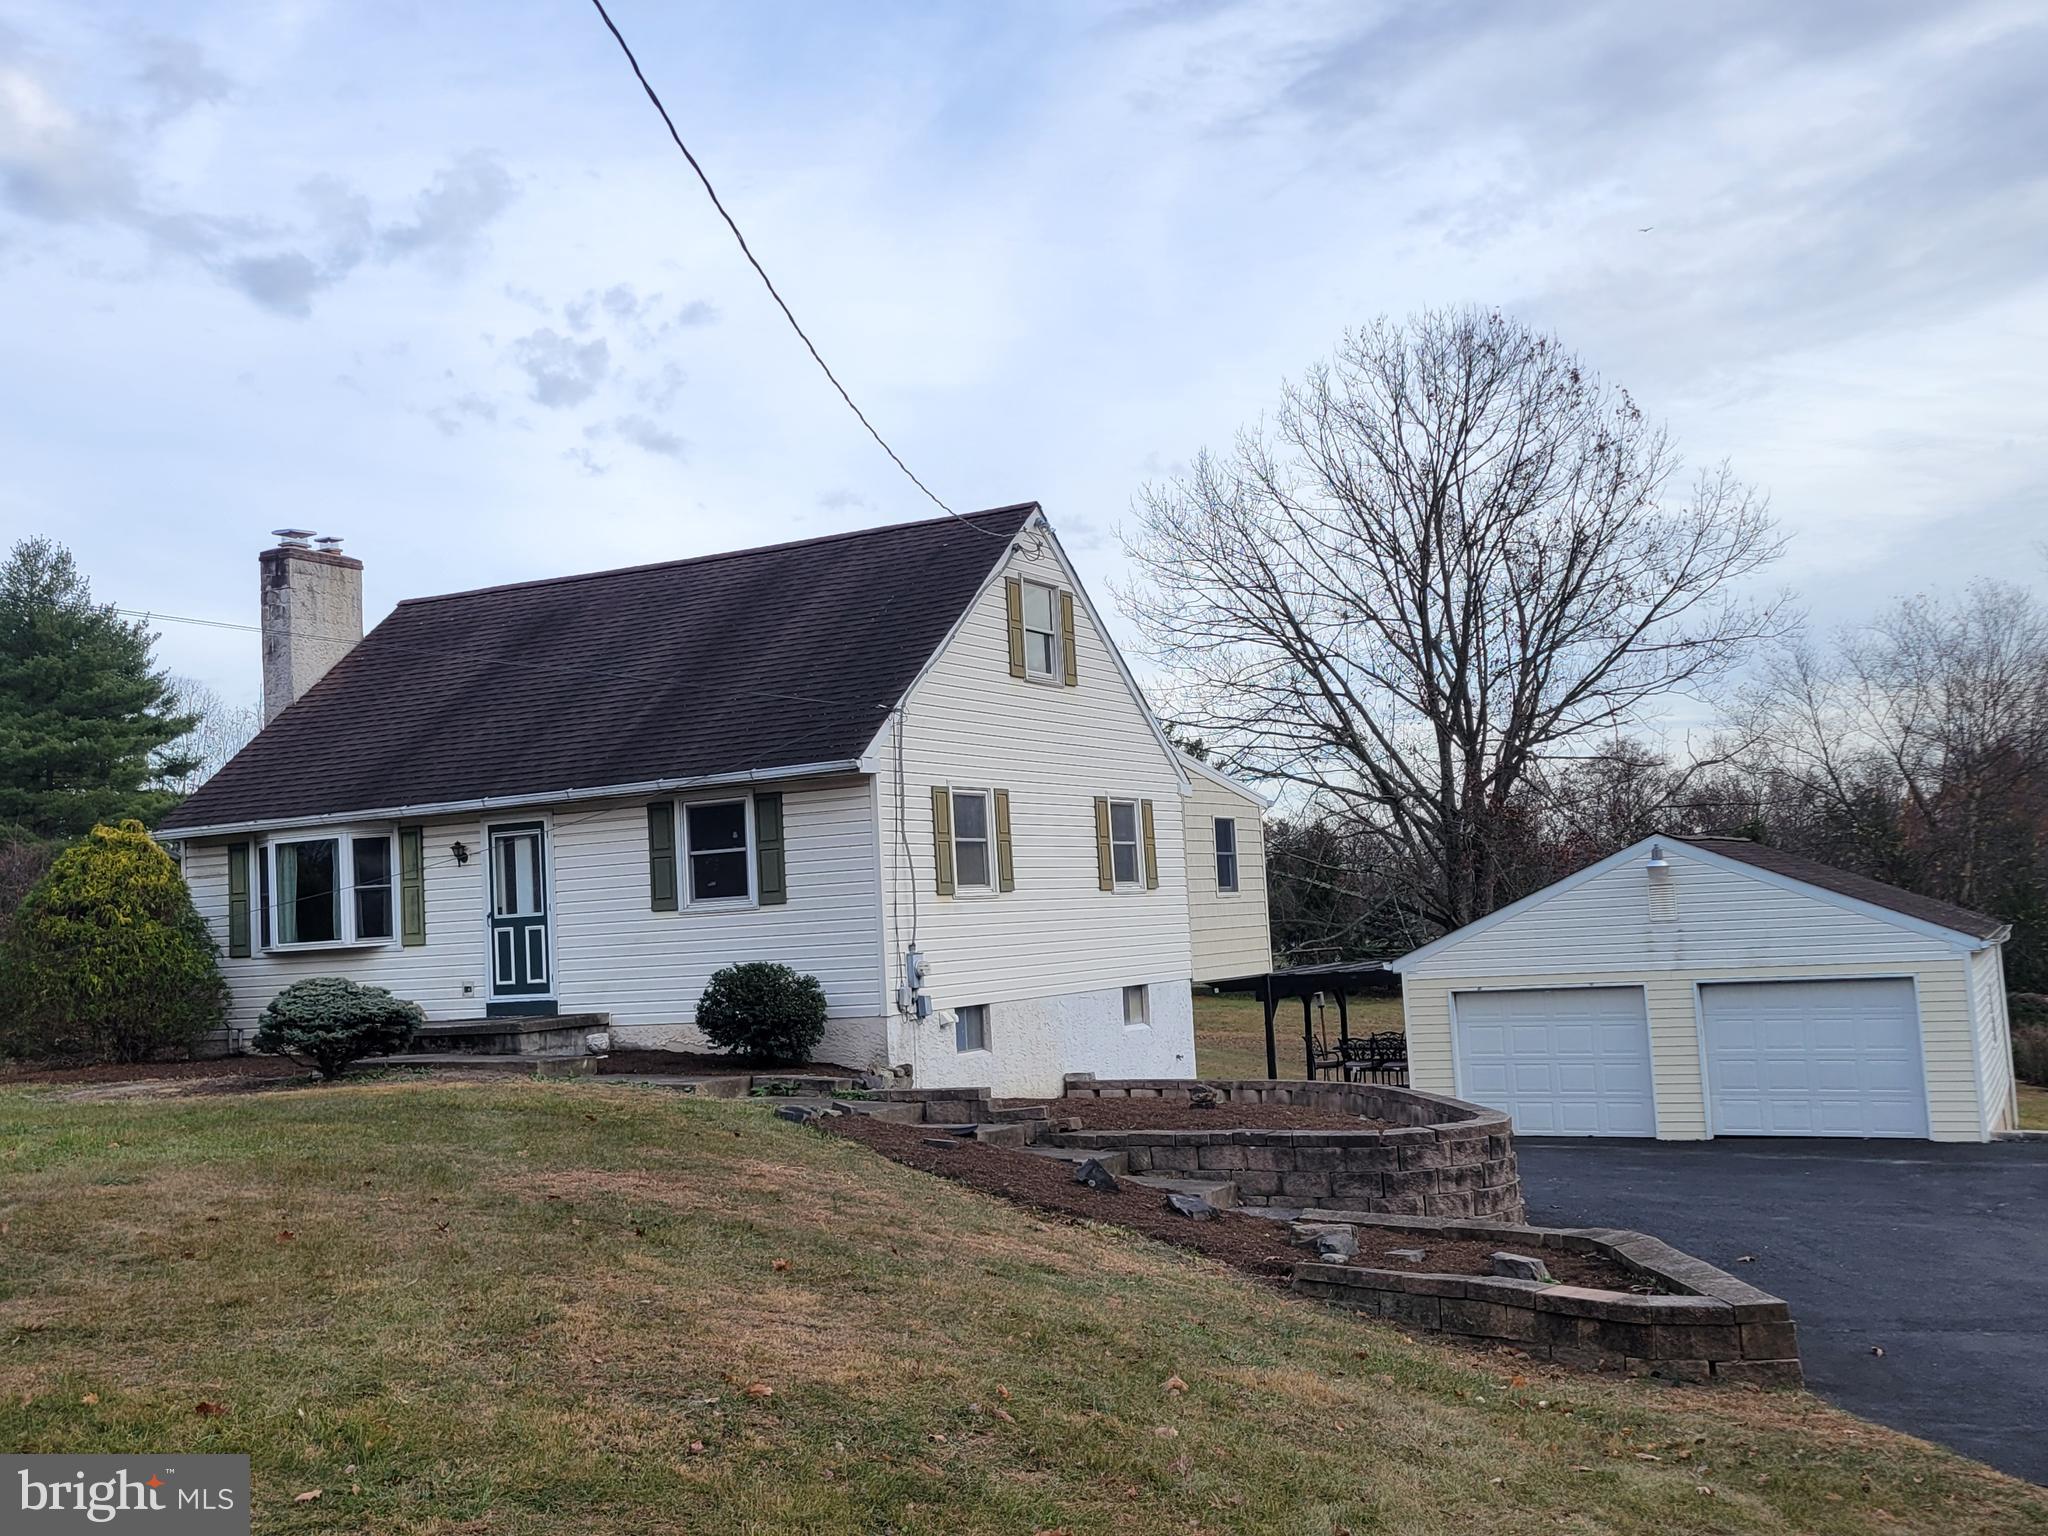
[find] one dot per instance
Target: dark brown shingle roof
(1859, 887)
(762, 658)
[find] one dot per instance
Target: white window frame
(1055, 649)
(686, 857)
(1142, 995)
(954, 792)
(1136, 843)
(345, 927)
(1236, 863)
(960, 1020)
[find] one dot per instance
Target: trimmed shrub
(327, 1022)
(107, 959)
(764, 1011)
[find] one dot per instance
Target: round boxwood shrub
(329, 1021)
(107, 959)
(764, 1011)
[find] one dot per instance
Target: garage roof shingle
(1927, 909)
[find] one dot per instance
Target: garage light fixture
(1657, 859)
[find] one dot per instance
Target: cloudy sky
(432, 277)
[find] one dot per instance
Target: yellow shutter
(1151, 847)
(942, 838)
(1013, 599)
(1071, 678)
(1006, 869)
(1105, 869)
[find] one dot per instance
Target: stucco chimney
(312, 614)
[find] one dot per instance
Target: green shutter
(769, 861)
(1105, 870)
(661, 856)
(1151, 847)
(1013, 600)
(1071, 678)
(412, 887)
(1006, 868)
(238, 900)
(942, 838)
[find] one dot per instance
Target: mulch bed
(255, 1067)
(1255, 1244)
(1167, 1115)
(638, 1059)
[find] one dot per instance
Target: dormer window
(1041, 632)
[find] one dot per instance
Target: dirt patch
(1256, 1244)
(640, 1059)
(1167, 1115)
(207, 1068)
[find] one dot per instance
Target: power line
(179, 618)
(762, 272)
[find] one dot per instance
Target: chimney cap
(330, 542)
(292, 538)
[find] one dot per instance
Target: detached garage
(1696, 987)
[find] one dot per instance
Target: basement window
(970, 1028)
(1137, 1007)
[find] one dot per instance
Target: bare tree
(219, 731)
(1454, 555)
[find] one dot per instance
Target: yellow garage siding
(1994, 1040)
(1947, 1038)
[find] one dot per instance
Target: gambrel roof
(777, 658)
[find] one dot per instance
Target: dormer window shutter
(1069, 676)
(238, 901)
(942, 838)
(1006, 867)
(661, 856)
(1105, 868)
(412, 887)
(769, 860)
(1151, 846)
(1013, 602)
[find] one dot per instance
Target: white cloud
(561, 371)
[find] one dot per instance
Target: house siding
(612, 954)
(1731, 926)
(1994, 1038)
(1228, 931)
(968, 723)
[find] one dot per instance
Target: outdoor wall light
(461, 852)
(1657, 859)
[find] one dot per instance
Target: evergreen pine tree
(84, 714)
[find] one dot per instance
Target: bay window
(327, 890)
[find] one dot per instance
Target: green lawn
(1230, 1032)
(2033, 1107)
(593, 1307)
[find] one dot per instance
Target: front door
(522, 975)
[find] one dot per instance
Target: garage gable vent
(1663, 888)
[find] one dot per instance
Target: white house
(1697, 987)
(584, 795)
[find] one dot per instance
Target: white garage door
(1813, 1058)
(1564, 1061)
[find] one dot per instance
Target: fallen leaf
(1518, 1381)
(696, 1447)
(307, 1497)
(759, 1389)
(208, 1410)
(1745, 1258)
(780, 1266)
(1165, 1432)
(1175, 1384)
(90, 1398)
(285, 1237)
(1003, 1414)
(1003, 1393)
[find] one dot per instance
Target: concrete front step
(549, 1064)
(1116, 1162)
(1218, 1192)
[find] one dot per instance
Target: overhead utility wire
(767, 282)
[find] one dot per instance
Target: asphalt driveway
(1935, 1254)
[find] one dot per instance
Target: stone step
(1218, 1192)
(1001, 1111)
(878, 1109)
(1016, 1133)
(1116, 1162)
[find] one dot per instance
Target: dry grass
(539, 1307)
(1230, 1032)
